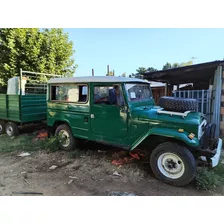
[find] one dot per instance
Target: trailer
(24, 102)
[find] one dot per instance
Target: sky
(127, 49)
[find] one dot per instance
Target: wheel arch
(57, 123)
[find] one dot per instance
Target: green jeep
(121, 112)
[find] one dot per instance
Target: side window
(101, 94)
(111, 95)
(69, 93)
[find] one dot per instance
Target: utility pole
(113, 72)
(108, 69)
(92, 72)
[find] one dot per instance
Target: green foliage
(52, 144)
(167, 66)
(151, 69)
(176, 65)
(186, 63)
(32, 49)
(141, 70)
(110, 73)
(210, 179)
(123, 74)
(27, 143)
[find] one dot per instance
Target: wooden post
(92, 72)
(166, 85)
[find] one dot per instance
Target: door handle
(92, 116)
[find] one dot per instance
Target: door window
(111, 95)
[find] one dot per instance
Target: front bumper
(215, 159)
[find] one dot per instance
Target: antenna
(193, 58)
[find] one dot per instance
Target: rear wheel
(173, 164)
(12, 129)
(2, 127)
(65, 137)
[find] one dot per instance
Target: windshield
(138, 91)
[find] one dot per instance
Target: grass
(210, 179)
(26, 143)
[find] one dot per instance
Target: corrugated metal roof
(186, 74)
(157, 84)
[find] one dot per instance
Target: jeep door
(109, 122)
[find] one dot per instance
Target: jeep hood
(149, 113)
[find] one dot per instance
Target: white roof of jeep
(86, 79)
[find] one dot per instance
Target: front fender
(170, 133)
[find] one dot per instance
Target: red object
(125, 160)
(42, 135)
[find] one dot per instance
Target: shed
(203, 82)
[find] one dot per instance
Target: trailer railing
(36, 82)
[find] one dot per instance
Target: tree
(186, 63)
(176, 65)
(32, 49)
(123, 74)
(151, 69)
(167, 66)
(141, 70)
(110, 73)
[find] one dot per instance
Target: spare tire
(178, 104)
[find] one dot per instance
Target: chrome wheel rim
(9, 130)
(1, 128)
(64, 138)
(171, 165)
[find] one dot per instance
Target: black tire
(2, 127)
(178, 104)
(11, 129)
(67, 131)
(212, 128)
(186, 161)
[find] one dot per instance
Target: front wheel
(173, 164)
(65, 137)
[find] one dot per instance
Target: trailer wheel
(2, 127)
(65, 137)
(12, 129)
(173, 164)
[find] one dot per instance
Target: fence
(204, 99)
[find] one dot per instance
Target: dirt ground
(86, 171)
(89, 173)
